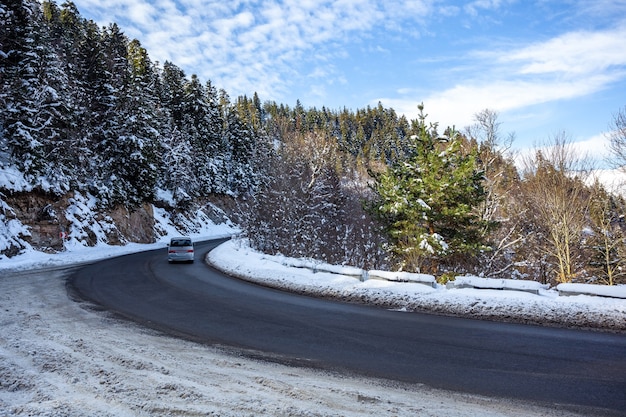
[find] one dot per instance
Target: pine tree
(608, 235)
(20, 84)
(35, 110)
(240, 139)
(202, 125)
(427, 201)
(172, 86)
(177, 174)
(129, 154)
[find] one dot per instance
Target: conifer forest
(84, 109)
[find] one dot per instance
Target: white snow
(617, 291)
(497, 299)
(12, 179)
(499, 284)
(10, 229)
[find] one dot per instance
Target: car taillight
(189, 250)
(172, 251)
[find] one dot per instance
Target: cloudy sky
(547, 67)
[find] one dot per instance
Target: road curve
(576, 370)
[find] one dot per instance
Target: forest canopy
(84, 108)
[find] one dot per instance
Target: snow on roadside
(547, 308)
(76, 251)
(60, 358)
(544, 308)
(618, 291)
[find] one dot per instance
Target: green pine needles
(428, 201)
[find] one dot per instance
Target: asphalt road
(577, 370)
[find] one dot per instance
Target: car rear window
(180, 242)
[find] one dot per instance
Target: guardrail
(532, 287)
(460, 282)
(403, 277)
(613, 291)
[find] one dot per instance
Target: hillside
(95, 138)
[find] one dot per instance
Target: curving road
(577, 370)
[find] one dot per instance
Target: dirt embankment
(46, 221)
(50, 219)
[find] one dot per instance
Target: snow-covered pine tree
(202, 125)
(177, 172)
(130, 158)
(427, 201)
(88, 95)
(240, 139)
(31, 101)
(111, 91)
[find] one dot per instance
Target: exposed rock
(43, 214)
(132, 225)
(52, 219)
(46, 222)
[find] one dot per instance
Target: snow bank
(476, 297)
(83, 221)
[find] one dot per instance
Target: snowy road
(557, 367)
(59, 358)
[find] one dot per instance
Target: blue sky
(546, 67)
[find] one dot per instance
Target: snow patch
(12, 231)
(12, 180)
(477, 297)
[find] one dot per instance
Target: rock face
(49, 223)
(50, 220)
(42, 215)
(132, 226)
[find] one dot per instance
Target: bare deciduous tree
(617, 140)
(500, 176)
(557, 200)
(308, 208)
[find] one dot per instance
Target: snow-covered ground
(506, 300)
(59, 357)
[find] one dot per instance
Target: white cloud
(458, 104)
(572, 65)
(143, 14)
(597, 146)
(473, 8)
(590, 153)
(274, 47)
(252, 45)
(572, 54)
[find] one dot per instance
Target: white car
(180, 249)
